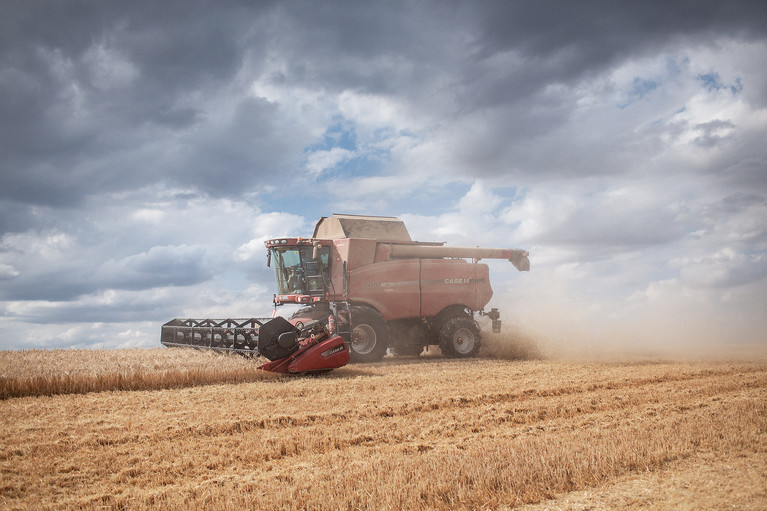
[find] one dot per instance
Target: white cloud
(268, 226)
(320, 161)
(8, 271)
(373, 112)
(150, 216)
(48, 246)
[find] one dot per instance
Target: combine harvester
(367, 287)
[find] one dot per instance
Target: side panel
(339, 251)
(453, 281)
(392, 287)
(356, 252)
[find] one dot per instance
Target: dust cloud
(513, 344)
(553, 325)
(526, 342)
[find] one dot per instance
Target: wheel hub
(463, 340)
(363, 339)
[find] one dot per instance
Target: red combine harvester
(369, 288)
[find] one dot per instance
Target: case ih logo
(463, 281)
(335, 350)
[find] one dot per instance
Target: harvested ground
(410, 433)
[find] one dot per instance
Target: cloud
(147, 151)
(320, 161)
(159, 266)
(171, 240)
(269, 226)
(629, 216)
(725, 268)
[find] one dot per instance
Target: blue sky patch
(641, 88)
(340, 134)
(712, 81)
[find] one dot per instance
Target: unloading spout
(520, 260)
(517, 257)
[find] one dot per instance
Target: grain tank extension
(367, 281)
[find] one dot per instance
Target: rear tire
(369, 336)
(459, 337)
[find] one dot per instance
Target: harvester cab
(301, 268)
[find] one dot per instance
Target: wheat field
(45, 372)
(405, 433)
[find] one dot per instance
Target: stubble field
(405, 433)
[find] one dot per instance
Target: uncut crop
(47, 372)
(421, 433)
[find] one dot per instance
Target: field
(188, 430)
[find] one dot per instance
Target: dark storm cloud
(524, 51)
(497, 65)
(15, 217)
(583, 36)
(556, 41)
(87, 89)
(250, 149)
(177, 45)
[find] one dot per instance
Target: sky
(147, 149)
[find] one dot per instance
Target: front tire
(369, 336)
(459, 337)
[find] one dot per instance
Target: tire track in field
(461, 420)
(525, 468)
(445, 416)
(537, 400)
(434, 421)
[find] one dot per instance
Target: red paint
(317, 353)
